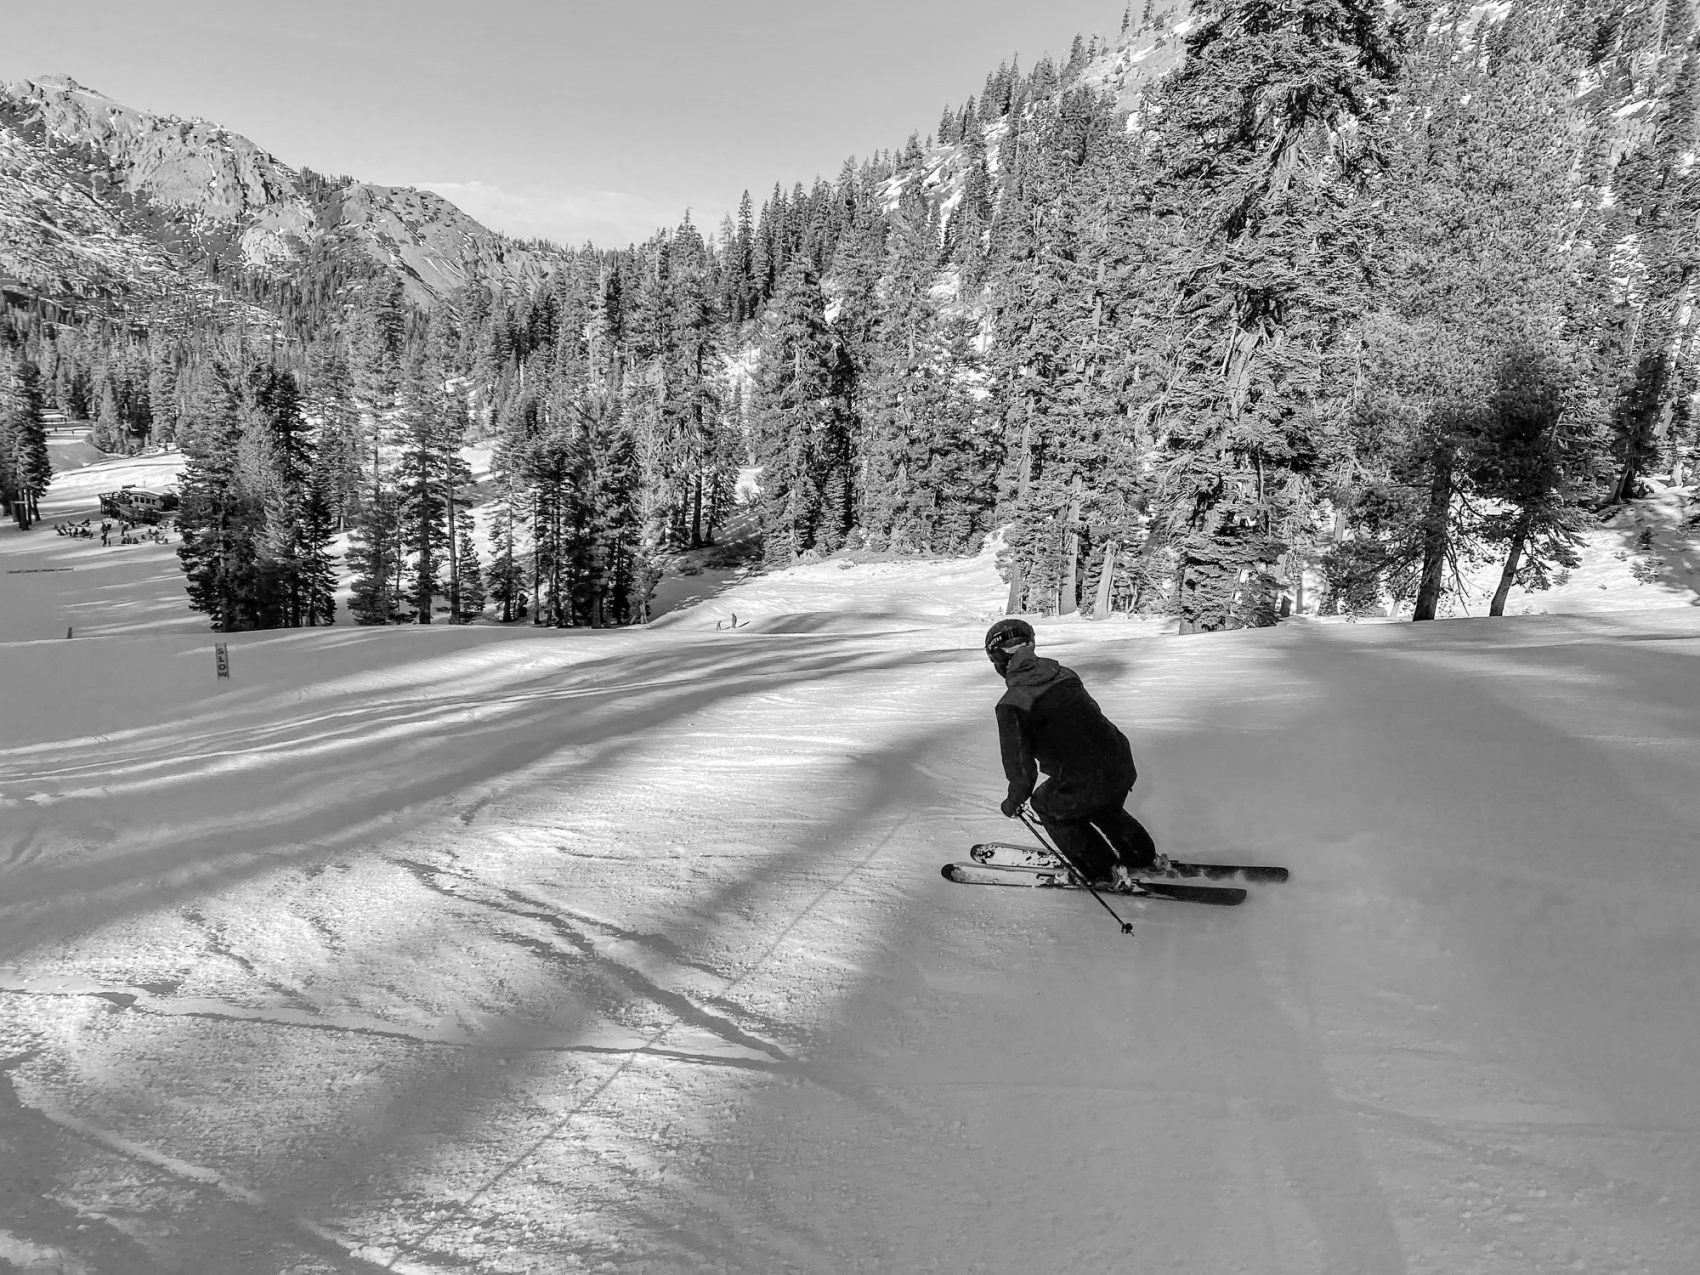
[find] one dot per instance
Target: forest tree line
(1358, 295)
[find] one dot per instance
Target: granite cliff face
(431, 242)
(58, 236)
(102, 203)
(190, 166)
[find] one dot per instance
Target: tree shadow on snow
(576, 748)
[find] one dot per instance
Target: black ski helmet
(1003, 637)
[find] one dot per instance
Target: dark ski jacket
(1047, 721)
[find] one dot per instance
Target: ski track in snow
(498, 950)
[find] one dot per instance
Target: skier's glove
(1011, 807)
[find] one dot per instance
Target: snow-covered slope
(495, 950)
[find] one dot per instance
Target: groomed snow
(504, 950)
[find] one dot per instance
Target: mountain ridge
(112, 202)
(156, 208)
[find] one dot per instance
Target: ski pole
(1076, 873)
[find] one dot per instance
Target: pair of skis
(1008, 864)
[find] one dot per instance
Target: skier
(1048, 722)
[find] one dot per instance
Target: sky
(583, 119)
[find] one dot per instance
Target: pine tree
(799, 428)
(973, 214)
(374, 555)
(901, 386)
(328, 400)
(110, 429)
(164, 358)
(1656, 198)
(649, 391)
(423, 480)
(217, 518)
(469, 596)
(859, 272)
(742, 296)
(1264, 136)
(507, 582)
(317, 526)
(1476, 362)
(26, 469)
(730, 457)
(694, 389)
(373, 559)
(275, 436)
(1066, 330)
(957, 468)
(1536, 459)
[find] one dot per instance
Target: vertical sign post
(223, 660)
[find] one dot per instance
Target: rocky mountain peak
(136, 184)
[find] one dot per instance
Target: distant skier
(1048, 722)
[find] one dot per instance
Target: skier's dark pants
(1095, 842)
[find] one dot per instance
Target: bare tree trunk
(557, 536)
(1435, 537)
(1068, 602)
(424, 591)
(400, 552)
(1024, 476)
(536, 562)
(1106, 581)
(1186, 587)
(1066, 588)
(1624, 488)
(505, 550)
(1513, 560)
(454, 561)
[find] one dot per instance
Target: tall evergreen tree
(1656, 201)
(799, 428)
(375, 548)
(373, 559)
(1478, 360)
(26, 470)
(1264, 136)
(218, 517)
(317, 526)
(424, 480)
(164, 358)
(275, 437)
(329, 402)
(972, 217)
(1066, 327)
(469, 595)
(1537, 459)
(507, 579)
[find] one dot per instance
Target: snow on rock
(67, 151)
(505, 950)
